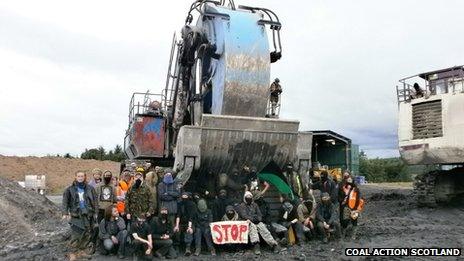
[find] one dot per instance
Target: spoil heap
(31, 225)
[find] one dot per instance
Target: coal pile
(31, 225)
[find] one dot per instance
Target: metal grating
(427, 120)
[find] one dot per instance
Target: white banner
(229, 232)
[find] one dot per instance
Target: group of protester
(144, 212)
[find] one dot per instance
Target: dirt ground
(59, 171)
(390, 219)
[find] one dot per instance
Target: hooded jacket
(250, 211)
(167, 196)
(204, 216)
(226, 218)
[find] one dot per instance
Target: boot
(213, 251)
(277, 249)
(188, 252)
(256, 249)
(197, 251)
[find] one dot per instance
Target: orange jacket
(121, 191)
(355, 202)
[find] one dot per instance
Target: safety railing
(140, 104)
(406, 92)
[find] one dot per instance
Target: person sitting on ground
(307, 214)
(112, 233)
(249, 211)
(327, 218)
(106, 194)
(185, 221)
(168, 194)
(350, 207)
(202, 229)
(142, 244)
(162, 231)
(96, 173)
(139, 200)
(326, 185)
(230, 215)
(288, 218)
(79, 207)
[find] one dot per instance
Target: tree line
(100, 153)
(389, 169)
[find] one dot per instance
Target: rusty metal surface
(146, 137)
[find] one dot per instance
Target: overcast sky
(67, 69)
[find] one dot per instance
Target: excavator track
(424, 189)
(439, 187)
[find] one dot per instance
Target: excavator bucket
(222, 143)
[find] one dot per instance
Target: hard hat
(277, 80)
(140, 169)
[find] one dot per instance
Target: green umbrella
(275, 180)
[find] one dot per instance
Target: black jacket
(219, 207)
(250, 212)
(71, 200)
(158, 228)
(187, 211)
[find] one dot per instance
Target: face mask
(167, 179)
(326, 202)
(164, 216)
(107, 180)
(185, 199)
(137, 183)
(222, 196)
(309, 205)
(248, 200)
(324, 178)
(230, 215)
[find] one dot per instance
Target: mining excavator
(213, 115)
(431, 132)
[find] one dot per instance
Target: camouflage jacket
(139, 200)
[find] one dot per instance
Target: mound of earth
(59, 171)
(31, 224)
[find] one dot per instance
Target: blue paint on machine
(153, 126)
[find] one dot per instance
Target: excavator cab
(430, 131)
(146, 135)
